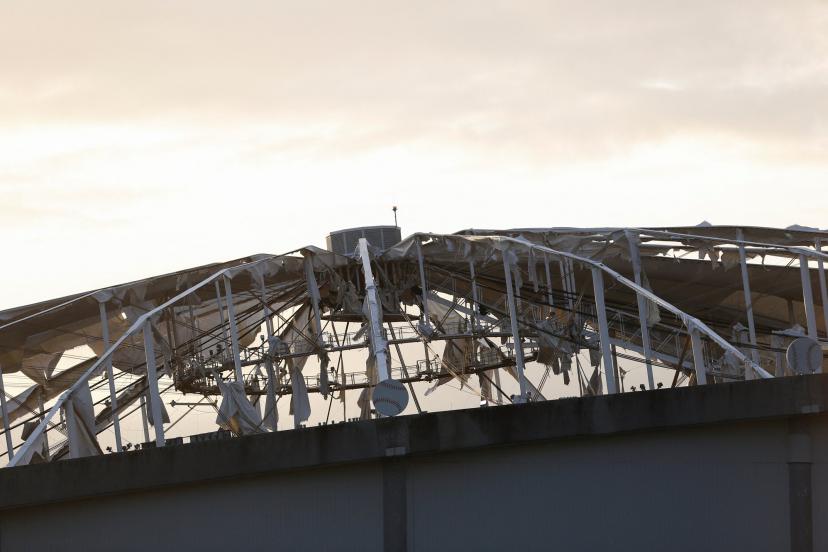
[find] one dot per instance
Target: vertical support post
(4, 410)
(617, 368)
(377, 342)
(754, 352)
(776, 343)
(220, 307)
(808, 296)
(571, 275)
(113, 397)
(423, 284)
(152, 380)
(143, 403)
(271, 375)
(698, 357)
(510, 298)
(635, 255)
(194, 346)
(550, 299)
(475, 299)
(565, 283)
(45, 433)
(603, 329)
(313, 291)
(234, 331)
(822, 285)
(498, 386)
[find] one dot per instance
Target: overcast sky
(143, 137)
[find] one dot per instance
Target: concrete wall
(698, 489)
(749, 477)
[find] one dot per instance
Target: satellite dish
(804, 356)
(390, 397)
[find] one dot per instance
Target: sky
(138, 138)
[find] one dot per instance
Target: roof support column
(113, 397)
(426, 322)
(5, 412)
(549, 297)
(220, 307)
(822, 285)
(510, 298)
(754, 352)
(475, 307)
(152, 380)
(603, 329)
(313, 291)
(268, 361)
(698, 357)
(234, 331)
(635, 255)
(378, 344)
(808, 296)
(144, 423)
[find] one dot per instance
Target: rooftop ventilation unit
(344, 242)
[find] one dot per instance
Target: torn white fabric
(80, 424)
(299, 401)
(236, 413)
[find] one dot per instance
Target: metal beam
(313, 291)
(698, 357)
(808, 296)
(518, 346)
(220, 307)
(234, 330)
(635, 255)
(4, 411)
(603, 329)
(423, 284)
(268, 361)
(378, 344)
(822, 285)
(152, 380)
(475, 307)
(549, 296)
(754, 352)
(113, 396)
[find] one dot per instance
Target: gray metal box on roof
(344, 242)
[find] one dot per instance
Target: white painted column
(513, 316)
(377, 342)
(565, 282)
(45, 433)
(113, 396)
(603, 329)
(698, 358)
(220, 307)
(271, 374)
(5, 412)
(313, 291)
(152, 381)
(822, 285)
(475, 298)
(808, 296)
(423, 285)
(635, 256)
(754, 352)
(550, 299)
(143, 403)
(234, 331)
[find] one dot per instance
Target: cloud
(538, 79)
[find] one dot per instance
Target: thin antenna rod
(394, 208)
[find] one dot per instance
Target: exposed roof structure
(701, 304)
